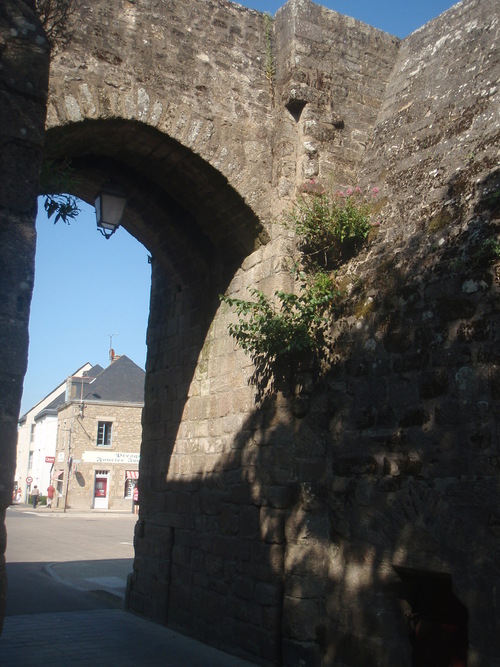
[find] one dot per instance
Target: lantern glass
(109, 206)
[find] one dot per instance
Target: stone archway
(182, 209)
(271, 534)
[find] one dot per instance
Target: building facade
(36, 441)
(85, 438)
(99, 438)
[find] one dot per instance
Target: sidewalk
(108, 577)
(100, 638)
(70, 511)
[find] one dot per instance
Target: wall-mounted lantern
(109, 206)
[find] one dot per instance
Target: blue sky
(88, 288)
(394, 16)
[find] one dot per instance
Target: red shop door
(101, 490)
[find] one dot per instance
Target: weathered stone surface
(272, 528)
(23, 93)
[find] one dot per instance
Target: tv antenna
(111, 351)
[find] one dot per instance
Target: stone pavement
(101, 638)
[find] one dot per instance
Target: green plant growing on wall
(288, 325)
(64, 207)
(55, 179)
(329, 228)
(487, 253)
(493, 200)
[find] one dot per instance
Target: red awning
(132, 474)
(59, 474)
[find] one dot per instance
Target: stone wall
(331, 76)
(211, 545)
(276, 534)
(408, 417)
(280, 527)
(154, 85)
(23, 92)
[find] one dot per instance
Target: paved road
(35, 535)
(84, 556)
(47, 549)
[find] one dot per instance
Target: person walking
(34, 496)
(135, 497)
(50, 494)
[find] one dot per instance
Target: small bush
(331, 227)
(55, 180)
(293, 324)
(487, 253)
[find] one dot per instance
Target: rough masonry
(24, 63)
(301, 529)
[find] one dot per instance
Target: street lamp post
(70, 463)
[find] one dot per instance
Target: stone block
(272, 525)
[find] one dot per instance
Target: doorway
(438, 619)
(101, 490)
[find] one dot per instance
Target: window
(131, 477)
(104, 434)
(30, 460)
(32, 433)
(129, 487)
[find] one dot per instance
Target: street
(60, 567)
(38, 539)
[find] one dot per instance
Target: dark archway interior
(182, 209)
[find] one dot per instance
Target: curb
(114, 597)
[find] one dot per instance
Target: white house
(36, 440)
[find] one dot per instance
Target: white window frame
(105, 425)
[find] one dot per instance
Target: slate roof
(122, 381)
(51, 408)
(60, 399)
(23, 417)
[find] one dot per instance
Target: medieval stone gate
(301, 529)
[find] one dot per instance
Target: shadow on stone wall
(392, 470)
(310, 541)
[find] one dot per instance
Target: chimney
(76, 387)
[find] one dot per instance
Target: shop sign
(111, 457)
